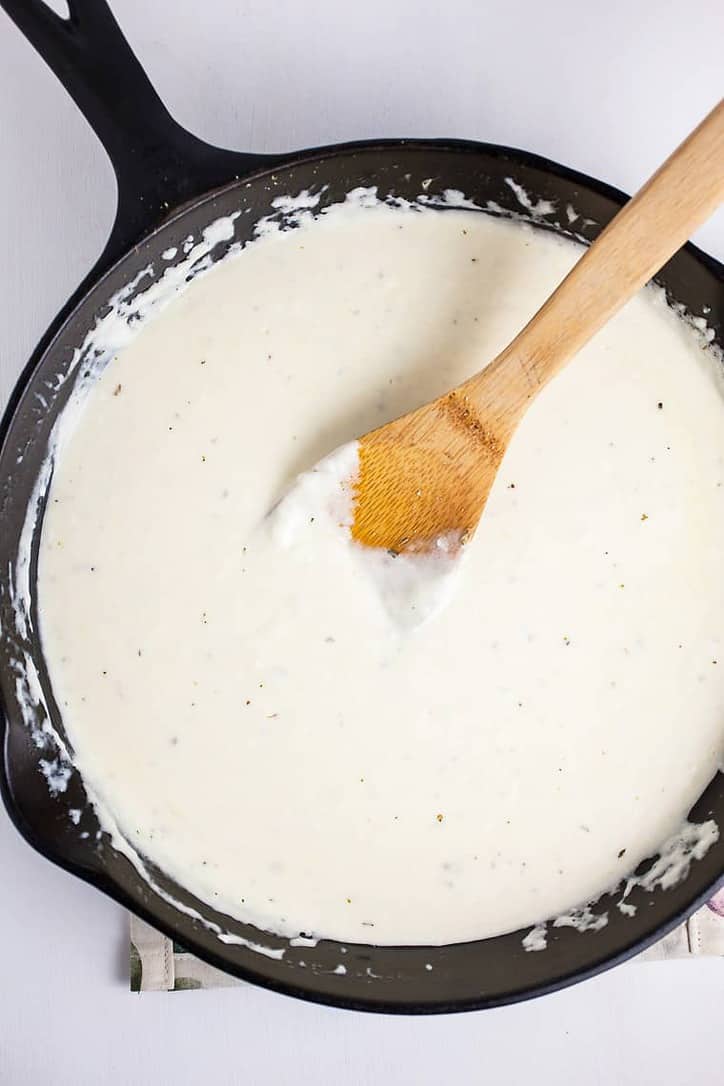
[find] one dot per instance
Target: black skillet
(171, 185)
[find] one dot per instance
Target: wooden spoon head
(424, 479)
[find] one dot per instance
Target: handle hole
(60, 7)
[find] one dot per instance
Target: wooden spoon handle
(644, 234)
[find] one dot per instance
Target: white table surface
(606, 88)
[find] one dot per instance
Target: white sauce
(248, 713)
(411, 588)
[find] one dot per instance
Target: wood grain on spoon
(426, 476)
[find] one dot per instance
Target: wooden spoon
(424, 478)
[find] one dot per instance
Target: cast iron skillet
(170, 186)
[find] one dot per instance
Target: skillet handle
(158, 164)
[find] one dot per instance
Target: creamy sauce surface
(245, 706)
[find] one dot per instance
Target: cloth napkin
(160, 965)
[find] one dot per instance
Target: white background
(606, 88)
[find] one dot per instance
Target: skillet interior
(463, 976)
